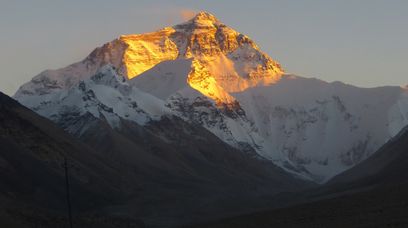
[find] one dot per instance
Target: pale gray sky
(360, 42)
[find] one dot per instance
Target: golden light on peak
(147, 50)
(223, 60)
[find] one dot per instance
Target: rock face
(208, 74)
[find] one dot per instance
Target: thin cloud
(187, 14)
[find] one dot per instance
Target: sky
(359, 42)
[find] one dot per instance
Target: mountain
(207, 74)
(222, 59)
(163, 173)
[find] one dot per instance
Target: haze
(358, 42)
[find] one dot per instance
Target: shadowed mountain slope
(374, 193)
(166, 173)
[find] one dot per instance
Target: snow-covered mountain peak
(204, 15)
(211, 75)
(202, 22)
(203, 18)
(222, 60)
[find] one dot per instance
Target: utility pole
(67, 191)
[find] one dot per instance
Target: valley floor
(382, 207)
